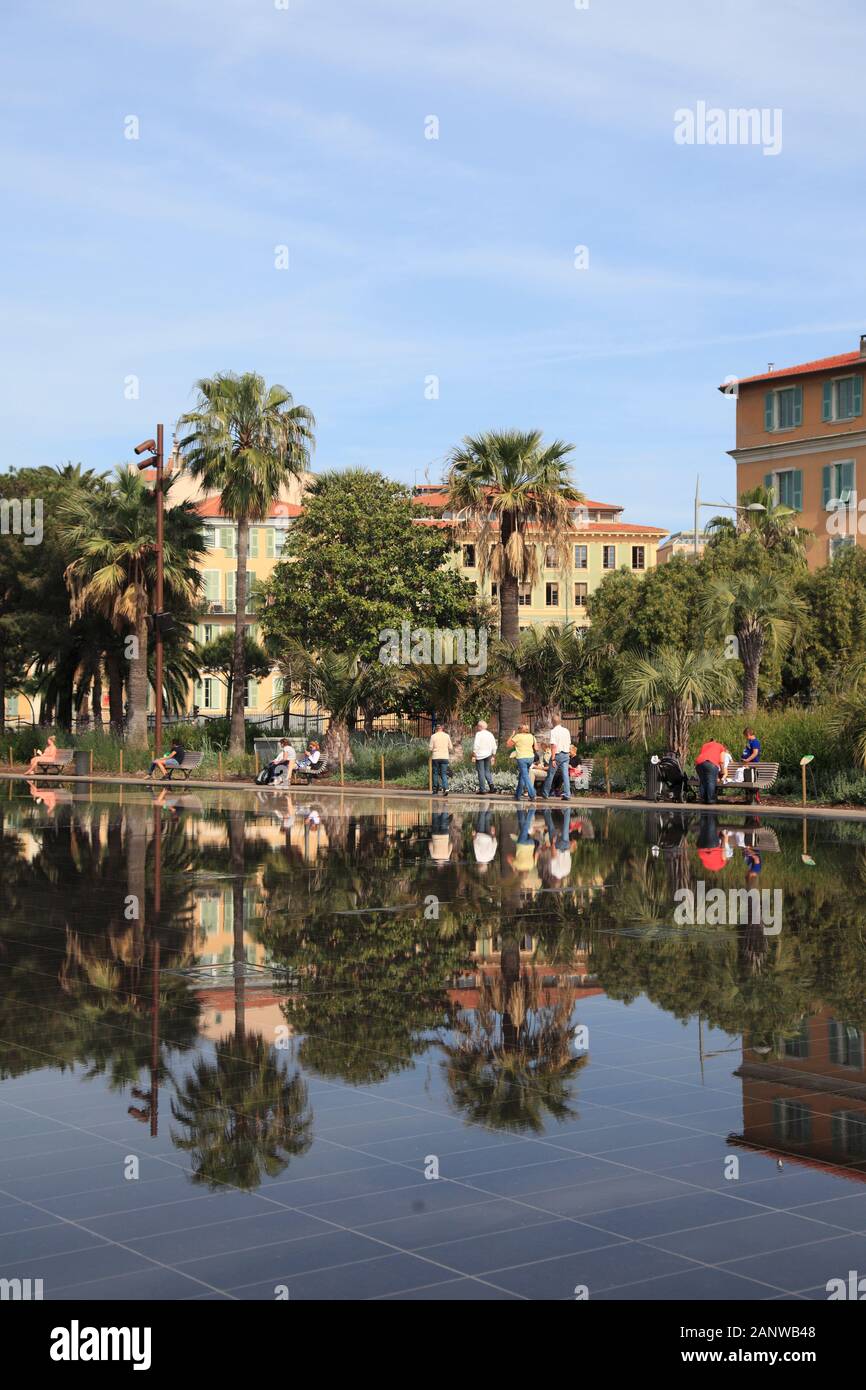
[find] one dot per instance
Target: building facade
(801, 431)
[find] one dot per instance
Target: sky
(433, 288)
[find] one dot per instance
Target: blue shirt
(753, 745)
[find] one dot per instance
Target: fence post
(121, 763)
(10, 755)
(220, 764)
(382, 766)
(91, 762)
(341, 769)
(607, 776)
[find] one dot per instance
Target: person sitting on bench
(169, 760)
(285, 754)
(311, 758)
(48, 756)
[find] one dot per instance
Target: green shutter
(212, 586)
(798, 405)
(768, 410)
(846, 476)
(768, 481)
(797, 490)
(858, 395)
(227, 540)
(254, 542)
(269, 543)
(827, 403)
(231, 589)
(826, 484)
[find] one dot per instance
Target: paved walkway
(410, 793)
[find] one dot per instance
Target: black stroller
(674, 783)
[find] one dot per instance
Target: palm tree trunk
(115, 692)
(751, 651)
(510, 706)
(137, 686)
(96, 697)
(336, 743)
(237, 736)
(2, 697)
(678, 729)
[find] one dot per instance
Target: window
(849, 1133)
(209, 534)
(792, 1121)
(783, 409)
(580, 557)
(843, 398)
(228, 538)
(252, 701)
(798, 1046)
(580, 595)
(208, 632)
(254, 542)
(270, 535)
(638, 557)
(253, 593)
(12, 707)
(208, 693)
(551, 561)
(469, 557)
(231, 587)
(552, 595)
(524, 595)
(838, 543)
(281, 535)
(837, 483)
(212, 594)
(787, 485)
(846, 1045)
(608, 557)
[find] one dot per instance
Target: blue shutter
(797, 490)
(858, 395)
(827, 403)
(825, 484)
(768, 481)
(768, 410)
(798, 405)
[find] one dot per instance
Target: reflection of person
(43, 796)
(559, 863)
(440, 837)
(48, 756)
(526, 846)
(484, 839)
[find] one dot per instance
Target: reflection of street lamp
(722, 506)
(155, 449)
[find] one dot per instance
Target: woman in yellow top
(524, 745)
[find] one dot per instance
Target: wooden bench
(763, 778)
(191, 763)
(311, 774)
(62, 758)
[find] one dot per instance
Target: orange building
(800, 430)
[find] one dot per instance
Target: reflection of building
(807, 1100)
(576, 981)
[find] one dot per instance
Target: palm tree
(113, 574)
(761, 517)
(457, 694)
(549, 662)
(246, 441)
(760, 610)
(675, 683)
(339, 682)
(504, 486)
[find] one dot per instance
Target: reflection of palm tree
(245, 1115)
(512, 1063)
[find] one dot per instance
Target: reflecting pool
(259, 1046)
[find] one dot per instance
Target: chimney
(770, 366)
(863, 344)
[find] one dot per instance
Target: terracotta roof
(821, 364)
(439, 498)
(211, 507)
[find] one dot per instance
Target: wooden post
(607, 776)
(121, 762)
(221, 764)
(257, 762)
(10, 755)
(382, 766)
(803, 770)
(341, 769)
(91, 762)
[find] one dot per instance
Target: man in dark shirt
(172, 759)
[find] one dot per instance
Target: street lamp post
(719, 506)
(156, 460)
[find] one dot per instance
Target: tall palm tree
(674, 683)
(549, 662)
(246, 440)
(510, 491)
(760, 610)
(113, 574)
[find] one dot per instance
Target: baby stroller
(674, 783)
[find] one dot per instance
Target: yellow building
(600, 544)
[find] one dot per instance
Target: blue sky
(304, 126)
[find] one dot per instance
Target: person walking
(708, 764)
(441, 749)
(560, 743)
(483, 753)
(525, 747)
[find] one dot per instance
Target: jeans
(440, 774)
(708, 776)
(524, 781)
(558, 767)
(485, 780)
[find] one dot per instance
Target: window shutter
(768, 410)
(212, 586)
(827, 403)
(797, 490)
(254, 542)
(826, 484)
(231, 589)
(858, 395)
(269, 543)
(768, 481)
(846, 476)
(798, 405)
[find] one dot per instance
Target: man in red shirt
(709, 764)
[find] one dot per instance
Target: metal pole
(157, 730)
(697, 512)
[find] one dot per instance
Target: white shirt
(286, 755)
(560, 739)
(484, 745)
(314, 756)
